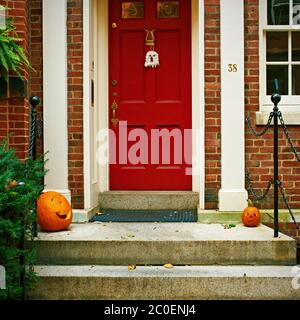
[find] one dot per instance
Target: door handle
(114, 118)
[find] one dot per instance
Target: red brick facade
(259, 151)
(75, 101)
(212, 103)
(15, 112)
(36, 58)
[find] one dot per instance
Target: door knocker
(152, 57)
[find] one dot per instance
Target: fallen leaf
(168, 266)
(131, 266)
(99, 213)
(130, 235)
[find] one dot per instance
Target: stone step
(149, 200)
(161, 243)
(155, 283)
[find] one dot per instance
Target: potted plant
(13, 59)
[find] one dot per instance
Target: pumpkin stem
(250, 203)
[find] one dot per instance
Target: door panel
(153, 105)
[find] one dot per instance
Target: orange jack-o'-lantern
(251, 215)
(54, 211)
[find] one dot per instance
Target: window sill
(290, 118)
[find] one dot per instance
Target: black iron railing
(278, 186)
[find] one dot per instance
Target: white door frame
(99, 10)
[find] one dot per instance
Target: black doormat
(110, 215)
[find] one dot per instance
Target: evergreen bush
(20, 186)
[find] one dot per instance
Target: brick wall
(212, 104)
(259, 158)
(36, 58)
(75, 101)
(14, 112)
(287, 228)
(15, 117)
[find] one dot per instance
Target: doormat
(110, 215)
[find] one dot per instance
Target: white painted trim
(198, 114)
(101, 82)
(198, 100)
(289, 103)
(86, 103)
(290, 118)
(90, 112)
(85, 215)
(55, 93)
(232, 196)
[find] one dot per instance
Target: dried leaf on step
(130, 235)
(168, 266)
(131, 266)
(99, 213)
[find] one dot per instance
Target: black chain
(287, 204)
(285, 129)
(256, 133)
(251, 189)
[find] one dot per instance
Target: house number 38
(232, 67)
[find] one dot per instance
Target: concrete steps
(149, 200)
(181, 282)
(90, 261)
(160, 243)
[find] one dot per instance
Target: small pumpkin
(54, 211)
(251, 216)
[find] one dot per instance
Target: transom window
(280, 46)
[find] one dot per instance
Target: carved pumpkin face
(251, 216)
(54, 211)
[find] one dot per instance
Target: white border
(101, 95)
(86, 102)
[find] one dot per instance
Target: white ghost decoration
(152, 59)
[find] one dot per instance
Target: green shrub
(12, 55)
(20, 186)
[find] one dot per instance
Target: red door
(150, 107)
